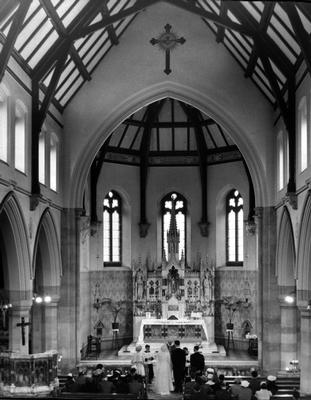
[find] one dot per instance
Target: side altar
(174, 301)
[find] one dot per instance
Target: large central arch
(150, 95)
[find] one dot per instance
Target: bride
(163, 372)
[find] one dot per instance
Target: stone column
(268, 305)
(68, 306)
(288, 333)
(50, 325)
(258, 221)
(19, 311)
(305, 359)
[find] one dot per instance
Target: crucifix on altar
(22, 324)
(167, 41)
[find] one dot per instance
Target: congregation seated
(98, 381)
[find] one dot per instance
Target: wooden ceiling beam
(263, 25)
(221, 30)
(108, 20)
(274, 85)
(262, 39)
(302, 36)
(212, 17)
(61, 30)
(15, 28)
(153, 112)
(6, 7)
(53, 83)
(164, 124)
(195, 116)
(110, 29)
(86, 15)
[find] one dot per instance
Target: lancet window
(112, 228)
(234, 228)
(180, 207)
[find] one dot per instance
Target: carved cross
(22, 324)
(167, 41)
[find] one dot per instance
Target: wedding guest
(271, 384)
(105, 386)
(235, 388)
(263, 393)
(246, 392)
(254, 382)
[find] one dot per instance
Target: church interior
(155, 184)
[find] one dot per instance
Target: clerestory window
(112, 228)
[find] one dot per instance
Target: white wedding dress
(163, 383)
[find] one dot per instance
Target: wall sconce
(309, 305)
(290, 298)
(4, 308)
(41, 299)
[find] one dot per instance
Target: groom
(178, 357)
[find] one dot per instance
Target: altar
(174, 301)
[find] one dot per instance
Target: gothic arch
(16, 248)
(285, 252)
(47, 248)
(304, 252)
(152, 94)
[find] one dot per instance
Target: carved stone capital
(250, 227)
(34, 201)
(204, 228)
(291, 199)
(143, 229)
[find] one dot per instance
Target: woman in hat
(271, 385)
(245, 391)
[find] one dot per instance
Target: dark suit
(197, 363)
(179, 361)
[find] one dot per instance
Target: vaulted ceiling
(61, 42)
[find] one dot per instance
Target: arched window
(303, 134)
(234, 228)
(3, 126)
(180, 211)
(42, 138)
(53, 162)
(112, 228)
(20, 137)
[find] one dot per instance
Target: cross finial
(167, 41)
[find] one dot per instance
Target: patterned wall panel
(241, 284)
(117, 286)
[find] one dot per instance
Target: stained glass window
(3, 127)
(234, 228)
(112, 224)
(180, 212)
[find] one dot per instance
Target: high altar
(174, 301)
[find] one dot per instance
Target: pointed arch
(285, 252)
(16, 247)
(47, 246)
(304, 252)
